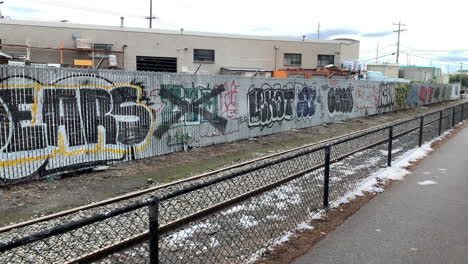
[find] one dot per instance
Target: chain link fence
(232, 216)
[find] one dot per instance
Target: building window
(324, 60)
(292, 59)
(156, 64)
(107, 47)
(203, 55)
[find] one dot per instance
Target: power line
(398, 43)
(430, 51)
(380, 49)
(433, 59)
(390, 54)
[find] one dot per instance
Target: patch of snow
(283, 239)
(427, 182)
(442, 169)
(248, 221)
(396, 172)
(214, 242)
(234, 209)
(427, 173)
(304, 226)
(181, 238)
(395, 150)
(275, 217)
(317, 215)
(101, 168)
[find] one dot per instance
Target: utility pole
(318, 30)
(398, 43)
(151, 17)
(461, 71)
(377, 55)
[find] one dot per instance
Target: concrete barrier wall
(58, 120)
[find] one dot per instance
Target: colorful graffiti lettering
(269, 104)
(413, 96)
(426, 94)
(43, 121)
(401, 95)
(231, 100)
(190, 106)
(367, 97)
(50, 125)
(306, 100)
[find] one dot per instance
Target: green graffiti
(178, 138)
(401, 95)
(190, 95)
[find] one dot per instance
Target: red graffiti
(333, 83)
(367, 97)
(230, 100)
(158, 106)
(426, 94)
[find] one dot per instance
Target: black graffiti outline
(306, 98)
(386, 97)
(340, 100)
(288, 108)
(6, 116)
(191, 107)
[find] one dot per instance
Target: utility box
(112, 60)
(85, 63)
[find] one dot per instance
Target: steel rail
(99, 254)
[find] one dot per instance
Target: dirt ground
(41, 197)
(304, 241)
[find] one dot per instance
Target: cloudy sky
(436, 30)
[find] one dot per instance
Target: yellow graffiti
(62, 148)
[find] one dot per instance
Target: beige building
(388, 70)
(166, 50)
(418, 73)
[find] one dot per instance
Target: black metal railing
(233, 216)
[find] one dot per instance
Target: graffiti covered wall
(57, 120)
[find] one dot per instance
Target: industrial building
(420, 73)
(64, 44)
(387, 69)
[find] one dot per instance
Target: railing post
(390, 141)
(154, 231)
(462, 118)
(326, 178)
(453, 116)
(421, 126)
(441, 114)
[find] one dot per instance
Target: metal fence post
(390, 141)
(154, 231)
(462, 118)
(441, 114)
(326, 180)
(421, 126)
(453, 116)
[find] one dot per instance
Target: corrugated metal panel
(54, 120)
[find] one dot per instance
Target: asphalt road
(409, 223)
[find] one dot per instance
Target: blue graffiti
(413, 95)
(306, 102)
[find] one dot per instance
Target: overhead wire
(80, 8)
